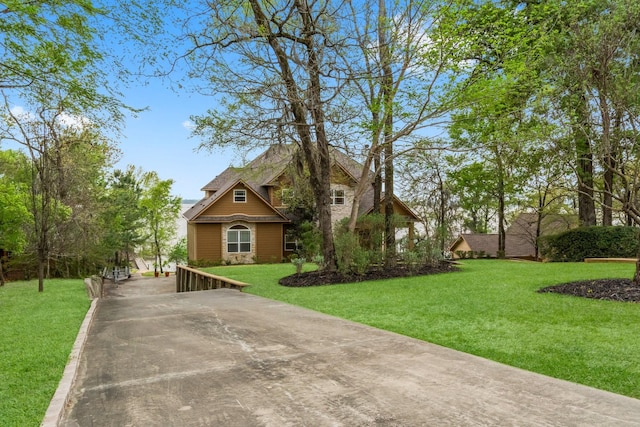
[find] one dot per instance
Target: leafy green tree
(472, 184)
(14, 215)
(55, 46)
(160, 210)
(405, 78)
(82, 162)
(123, 215)
(272, 64)
(427, 188)
(178, 252)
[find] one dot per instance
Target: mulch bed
(319, 278)
(604, 289)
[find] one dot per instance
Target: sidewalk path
(226, 358)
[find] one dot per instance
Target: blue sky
(159, 139)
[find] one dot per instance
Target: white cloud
(72, 121)
(65, 119)
(188, 124)
(19, 112)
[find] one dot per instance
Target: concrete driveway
(225, 358)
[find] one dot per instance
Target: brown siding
(191, 241)
(226, 206)
(398, 209)
(275, 192)
(461, 246)
(208, 245)
(269, 242)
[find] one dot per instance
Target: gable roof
(262, 172)
(526, 223)
(255, 175)
(520, 237)
(515, 246)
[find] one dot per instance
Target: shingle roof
(520, 236)
(264, 169)
(515, 246)
(240, 217)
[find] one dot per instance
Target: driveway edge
(61, 396)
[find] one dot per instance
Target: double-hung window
(238, 239)
(291, 243)
(337, 197)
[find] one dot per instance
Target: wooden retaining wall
(189, 279)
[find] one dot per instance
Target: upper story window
(337, 197)
(286, 195)
(239, 196)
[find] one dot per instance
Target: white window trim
(335, 197)
(291, 241)
(237, 193)
(238, 232)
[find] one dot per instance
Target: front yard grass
(37, 332)
(490, 309)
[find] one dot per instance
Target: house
(520, 237)
(243, 217)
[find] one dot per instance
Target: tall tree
(43, 137)
(274, 62)
(161, 209)
(406, 73)
(54, 45)
(123, 213)
(428, 191)
(14, 214)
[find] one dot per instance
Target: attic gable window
(337, 197)
(239, 196)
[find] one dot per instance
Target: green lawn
(37, 332)
(490, 309)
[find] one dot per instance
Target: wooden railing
(189, 279)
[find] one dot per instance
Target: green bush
(590, 242)
(345, 244)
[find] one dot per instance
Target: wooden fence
(189, 279)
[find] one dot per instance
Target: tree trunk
(40, 273)
(441, 214)
(636, 276)
(1, 271)
(586, 205)
(387, 102)
(316, 153)
(377, 183)
(500, 190)
(609, 161)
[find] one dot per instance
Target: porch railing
(189, 280)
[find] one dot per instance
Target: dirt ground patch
(319, 277)
(604, 289)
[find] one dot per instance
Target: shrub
(428, 253)
(412, 260)
(346, 245)
(361, 261)
(311, 239)
(590, 242)
(298, 262)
